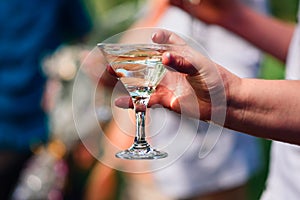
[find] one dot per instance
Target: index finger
(162, 36)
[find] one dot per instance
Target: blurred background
(72, 161)
(111, 17)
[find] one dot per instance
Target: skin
(268, 107)
(263, 108)
(267, 33)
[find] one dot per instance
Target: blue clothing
(30, 30)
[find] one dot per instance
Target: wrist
(233, 97)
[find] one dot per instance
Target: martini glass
(139, 67)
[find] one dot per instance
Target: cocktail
(139, 67)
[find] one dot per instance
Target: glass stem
(140, 127)
(140, 115)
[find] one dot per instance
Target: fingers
(166, 37)
(173, 60)
(111, 71)
(108, 79)
(162, 96)
(195, 2)
(124, 102)
(179, 64)
(180, 3)
(185, 4)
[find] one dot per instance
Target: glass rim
(103, 44)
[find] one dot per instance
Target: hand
(210, 11)
(202, 80)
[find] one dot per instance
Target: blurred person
(212, 176)
(238, 154)
(234, 153)
(283, 44)
(30, 30)
(262, 108)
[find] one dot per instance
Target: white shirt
(284, 176)
(235, 157)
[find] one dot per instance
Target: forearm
(269, 34)
(266, 108)
(102, 177)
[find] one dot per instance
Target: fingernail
(168, 55)
(195, 2)
(166, 58)
(153, 36)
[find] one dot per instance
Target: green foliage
(272, 68)
(112, 16)
(286, 10)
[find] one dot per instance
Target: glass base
(136, 152)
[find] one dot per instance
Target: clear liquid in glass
(139, 67)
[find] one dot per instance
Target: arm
(263, 108)
(103, 182)
(270, 35)
(267, 33)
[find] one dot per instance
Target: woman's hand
(210, 11)
(203, 94)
